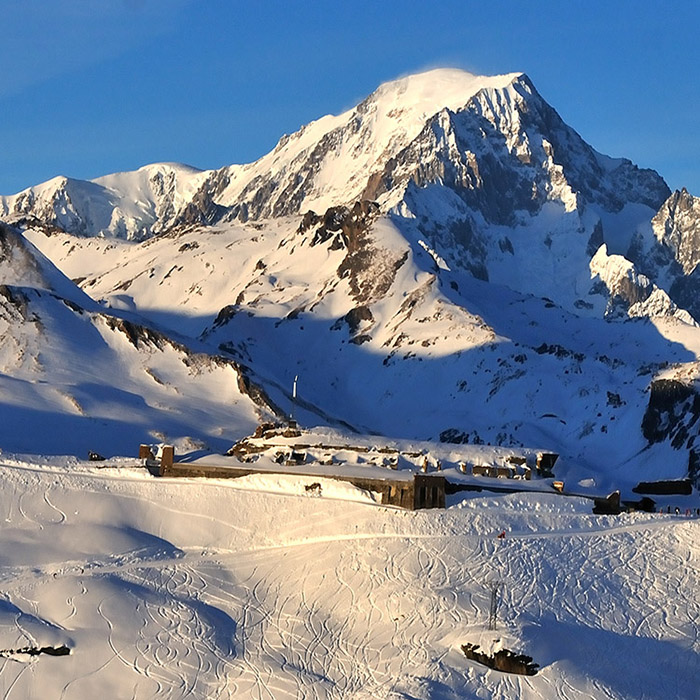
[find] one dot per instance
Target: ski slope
(192, 588)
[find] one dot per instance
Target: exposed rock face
(357, 316)
(672, 415)
(628, 292)
(344, 227)
(669, 250)
(369, 270)
(677, 228)
(17, 265)
(508, 151)
(203, 209)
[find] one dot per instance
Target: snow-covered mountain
(450, 238)
(482, 167)
(493, 140)
(325, 163)
(124, 205)
(448, 269)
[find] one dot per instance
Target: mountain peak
(414, 98)
(492, 130)
(443, 87)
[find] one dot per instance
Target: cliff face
(672, 416)
(669, 250)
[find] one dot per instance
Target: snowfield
(193, 588)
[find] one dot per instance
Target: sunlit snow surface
(209, 589)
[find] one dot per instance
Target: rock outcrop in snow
(668, 251)
(630, 293)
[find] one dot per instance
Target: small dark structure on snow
(503, 660)
(608, 506)
(676, 487)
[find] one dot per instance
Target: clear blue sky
(89, 87)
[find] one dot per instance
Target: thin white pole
(294, 396)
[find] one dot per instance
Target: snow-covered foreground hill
(180, 589)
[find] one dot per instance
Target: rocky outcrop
(18, 264)
(628, 292)
(672, 415)
(677, 228)
(669, 250)
(502, 660)
(369, 269)
(345, 227)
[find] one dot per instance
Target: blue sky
(89, 87)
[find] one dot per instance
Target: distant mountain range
(448, 260)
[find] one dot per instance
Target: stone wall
(416, 491)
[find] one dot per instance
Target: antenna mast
(294, 399)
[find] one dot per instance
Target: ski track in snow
(323, 599)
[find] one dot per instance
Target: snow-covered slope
(23, 264)
(204, 589)
(74, 380)
(74, 377)
(385, 338)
